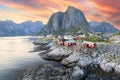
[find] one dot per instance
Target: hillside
(102, 27)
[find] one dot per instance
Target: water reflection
(14, 54)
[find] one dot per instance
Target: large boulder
(117, 68)
(56, 54)
(71, 60)
(77, 73)
(83, 62)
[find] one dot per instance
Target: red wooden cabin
(77, 38)
(61, 41)
(89, 45)
(70, 43)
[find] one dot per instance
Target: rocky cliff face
(103, 27)
(72, 20)
(74, 17)
(54, 23)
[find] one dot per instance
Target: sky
(34, 10)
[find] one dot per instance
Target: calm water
(15, 55)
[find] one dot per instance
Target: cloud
(99, 10)
(108, 9)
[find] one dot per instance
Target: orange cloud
(108, 9)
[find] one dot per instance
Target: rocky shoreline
(101, 63)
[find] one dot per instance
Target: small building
(48, 36)
(61, 41)
(68, 37)
(86, 44)
(77, 38)
(60, 37)
(82, 35)
(70, 43)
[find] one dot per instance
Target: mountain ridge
(10, 28)
(103, 27)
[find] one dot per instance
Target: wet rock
(46, 72)
(77, 73)
(39, 42)
(50, 72)
(94, 77)
(41, 48)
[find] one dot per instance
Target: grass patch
(74, 30)
(61, 31)
(94, 39)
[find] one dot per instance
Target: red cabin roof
(89, 44)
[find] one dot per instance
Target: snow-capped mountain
(9, 28)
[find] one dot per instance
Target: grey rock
(46, 72)
(39, 42)
(41, 48)
(84, 62)
(71, 60)
(77, 73)
(115, 39)
(106, 67)
(94, 77)
(56, 54)
(117, 68)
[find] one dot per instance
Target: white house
(68, 37)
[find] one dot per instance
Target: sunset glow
(23, 10)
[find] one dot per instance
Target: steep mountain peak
(70, 21)
(72, 17)
(71, 8)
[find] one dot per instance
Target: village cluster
(71, 41)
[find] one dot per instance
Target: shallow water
(15, 55)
